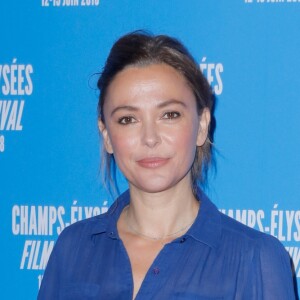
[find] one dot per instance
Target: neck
(162, 214)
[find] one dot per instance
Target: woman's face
(152, 126)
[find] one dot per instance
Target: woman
(163, 238)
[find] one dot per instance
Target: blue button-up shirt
(218, 258)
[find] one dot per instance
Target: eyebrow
(124, 107)
(161, 105)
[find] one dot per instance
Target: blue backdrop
(49, 143)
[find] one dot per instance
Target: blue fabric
(218, 258)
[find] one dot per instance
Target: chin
(155, 187)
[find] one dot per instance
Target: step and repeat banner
(49, 142)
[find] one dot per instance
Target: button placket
(155, 270)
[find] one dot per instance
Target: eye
(126, 120)
(171, 115)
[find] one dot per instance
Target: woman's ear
(204, 121)
(106, 139)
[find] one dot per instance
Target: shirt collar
(206, 228)
(108, 222)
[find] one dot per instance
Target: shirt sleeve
(58, 264)
(62, 262)
(275, 278)
(51, 280)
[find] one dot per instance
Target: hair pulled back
(140, 49)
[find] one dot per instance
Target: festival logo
(213, 72)
(282, 224)
(15, 86)
(271, 1)
(69, 3)
(40, 225)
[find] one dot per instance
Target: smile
(152, 162)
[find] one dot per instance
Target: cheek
(185, 138)
(123, 142)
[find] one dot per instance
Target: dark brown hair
(142, 49)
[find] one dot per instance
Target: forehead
(156, 81)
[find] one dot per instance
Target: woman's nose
(150, 135)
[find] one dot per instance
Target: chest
(187, 270)
(142, 254)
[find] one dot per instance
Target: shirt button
(182, 240)
(155, 271)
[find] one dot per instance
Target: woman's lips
(152, 162)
